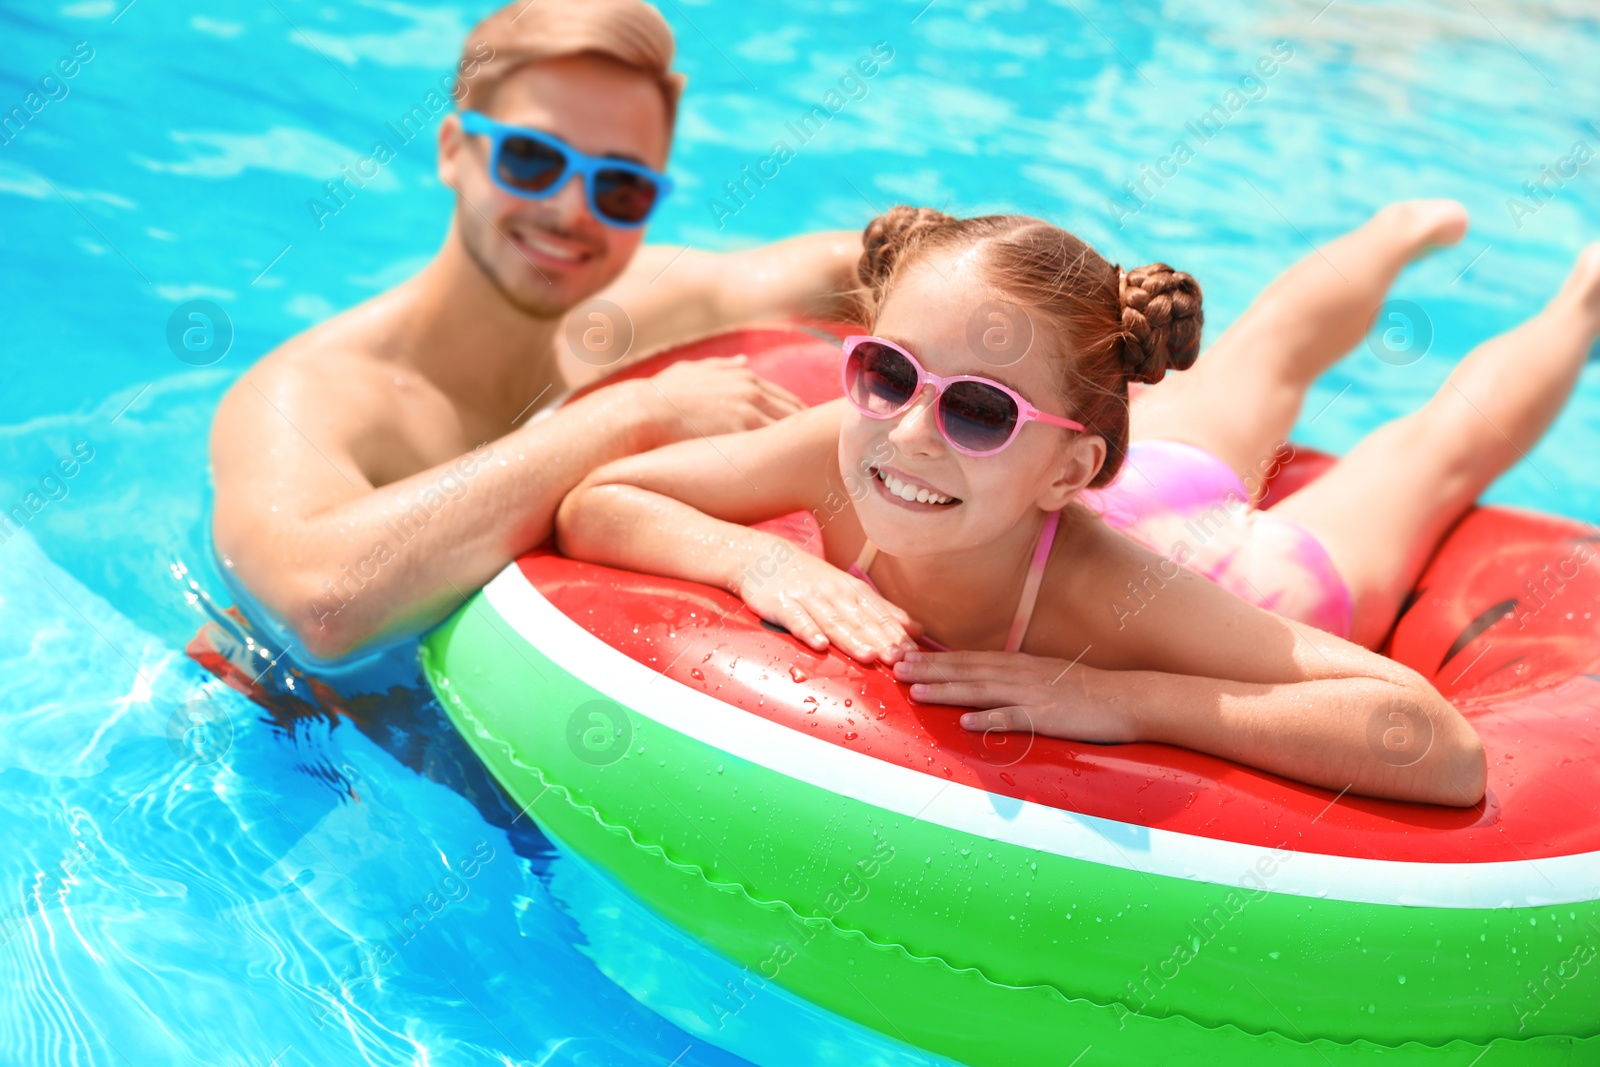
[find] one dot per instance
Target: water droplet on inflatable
(719, 768)
(797, 674)
(697, 674)
(851, 735)
(1005, 776)
(847, 702)
(1402, 979)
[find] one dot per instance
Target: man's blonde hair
(630, 32)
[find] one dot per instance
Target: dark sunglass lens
(978, 417)
(882, 381)
(624, 195)
(530, 165)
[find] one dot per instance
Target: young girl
(988, 516)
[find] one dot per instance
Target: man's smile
(548, 248)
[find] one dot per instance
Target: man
(373, 472)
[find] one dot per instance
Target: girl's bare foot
(1426, 224)
(1582, 287)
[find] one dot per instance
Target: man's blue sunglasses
(533, 164)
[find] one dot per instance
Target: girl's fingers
(856, 618)
(799, 622)
(1017, 667)
(1009, 719)
(889, 609)
(860, 641)
(897, 637)
(981, 661)
(970, 694)
(891, 617)
(831, 621)
(939, 667)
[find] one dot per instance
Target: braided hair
(1107, 326)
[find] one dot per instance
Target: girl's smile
(900, 488)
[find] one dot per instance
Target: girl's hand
(819, 603)
(1021, 693)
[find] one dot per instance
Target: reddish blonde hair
(630, 32)
(1111, 327)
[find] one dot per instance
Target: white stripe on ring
(963, 808)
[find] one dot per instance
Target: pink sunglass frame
(1026, 412)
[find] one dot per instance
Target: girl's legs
(1243, 396)
(1381, 511)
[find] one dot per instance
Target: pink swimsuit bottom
(1185, 503)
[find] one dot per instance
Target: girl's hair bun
(889, 236)
(1161, 320)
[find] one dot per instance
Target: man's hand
(705, 397)
(1034, 694)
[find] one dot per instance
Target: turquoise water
(262, 907)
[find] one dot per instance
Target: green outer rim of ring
(961, 945)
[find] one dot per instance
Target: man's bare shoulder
(342, 387)
(342, 360)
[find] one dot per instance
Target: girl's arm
(680, 511)
(1199, 667)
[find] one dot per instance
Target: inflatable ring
(1014, 900)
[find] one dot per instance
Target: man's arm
(674, 293)
(342, 561)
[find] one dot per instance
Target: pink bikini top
(1030, 587)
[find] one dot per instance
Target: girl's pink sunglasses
(977, 416)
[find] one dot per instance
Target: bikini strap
(863, 563)
(1030, 587)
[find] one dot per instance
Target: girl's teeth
(906, 491)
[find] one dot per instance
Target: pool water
(323, 889)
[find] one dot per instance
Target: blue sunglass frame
(578, 164)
